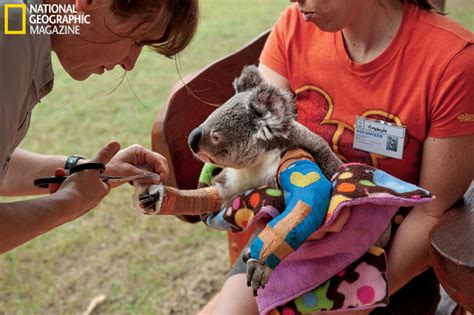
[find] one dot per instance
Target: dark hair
(436, 5)
(178, 19)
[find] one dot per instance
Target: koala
(250, 132)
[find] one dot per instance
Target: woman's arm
(80, 192)
(447, 170)
(24, 168)
(23, 220)
(272, 77)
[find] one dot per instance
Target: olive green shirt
(26, 76)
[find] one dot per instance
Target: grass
(144, 265)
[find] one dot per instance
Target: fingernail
(114, 146)
(156, 178)
(53, 188)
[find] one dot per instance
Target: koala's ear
(249, 79)
(275, 110)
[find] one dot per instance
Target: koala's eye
(215, 138)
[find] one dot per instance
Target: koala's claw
(246, 256)
(148, 198)
(148, 201)
(258, 274)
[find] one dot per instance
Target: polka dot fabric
(242, 210)
(355, 181)
(363, 284)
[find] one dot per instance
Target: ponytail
(435, 5)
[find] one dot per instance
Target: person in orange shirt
(393, 61)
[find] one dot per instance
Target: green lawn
(144, 265)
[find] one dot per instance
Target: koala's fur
(249, 133)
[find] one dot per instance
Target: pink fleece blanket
(373, 198)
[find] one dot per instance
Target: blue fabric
(303, 181)
(217, 221)
(386, 180)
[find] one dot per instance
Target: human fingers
(106, 153)
(125, 169)
(87, 183)
(55, 186)
(83, 190)
(135, 160)
(154, 161)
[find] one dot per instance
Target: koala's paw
(148, 198)
(258, 274)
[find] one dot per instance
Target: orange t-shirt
(424, 80)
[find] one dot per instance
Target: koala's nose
(194, 139)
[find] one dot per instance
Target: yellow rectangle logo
(23, 19)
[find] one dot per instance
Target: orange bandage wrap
(190, 202)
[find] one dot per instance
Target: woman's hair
(178, 19)
(436, 5)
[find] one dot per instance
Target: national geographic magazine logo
(48, 19)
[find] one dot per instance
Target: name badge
(379, 137)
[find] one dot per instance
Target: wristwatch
(72, 161)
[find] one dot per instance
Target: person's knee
(235, 297)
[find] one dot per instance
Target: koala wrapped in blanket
(255, 138)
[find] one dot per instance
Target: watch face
(72, 161)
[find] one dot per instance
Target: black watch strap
(72, 161)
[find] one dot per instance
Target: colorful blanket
(363, 201)
(363, 284)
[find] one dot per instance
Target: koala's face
(249, 124)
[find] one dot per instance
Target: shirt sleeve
(16, 70)
(274, 53)
(452, 111)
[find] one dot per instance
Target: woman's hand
(23, 220)
(136, 160)
(83, 190)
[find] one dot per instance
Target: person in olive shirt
(117, 32)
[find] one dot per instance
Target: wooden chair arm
(452, 252)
